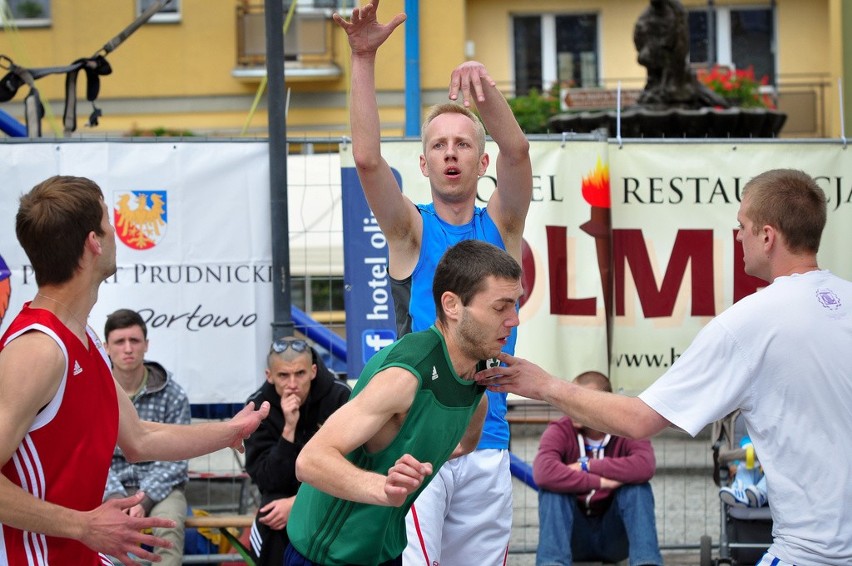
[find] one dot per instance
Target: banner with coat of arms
(140, 217)
(193, 246)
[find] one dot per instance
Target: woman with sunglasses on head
(302, 393)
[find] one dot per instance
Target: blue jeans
(626, 529)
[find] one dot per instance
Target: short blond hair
(450, 108)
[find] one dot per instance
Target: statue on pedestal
(661, 37)
(674, 103)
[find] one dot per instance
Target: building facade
(198, 66)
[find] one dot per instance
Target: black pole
(711, 34)
(282, 322)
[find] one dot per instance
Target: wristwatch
(584, 463)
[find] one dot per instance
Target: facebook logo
(373, 340)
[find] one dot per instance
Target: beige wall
(192, 57)
(179, 75)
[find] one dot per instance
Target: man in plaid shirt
(158, 398)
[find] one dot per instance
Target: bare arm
(145, 440)
(31, 368)
(396, 214)
(510, 202)
(370, 418)
(607, 412)
(473, 433)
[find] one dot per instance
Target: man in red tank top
(60, 414)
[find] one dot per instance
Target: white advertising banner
(676, 261)
(194, 248)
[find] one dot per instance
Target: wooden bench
(219, 521)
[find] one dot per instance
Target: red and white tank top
(65, 456)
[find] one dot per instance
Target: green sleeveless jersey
(332, 531)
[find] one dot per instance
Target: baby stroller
(744, 533)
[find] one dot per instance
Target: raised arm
(510, 202)
(395, 213)
(371, 418)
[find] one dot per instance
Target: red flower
(738, 86)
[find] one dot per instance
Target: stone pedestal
(641, 122)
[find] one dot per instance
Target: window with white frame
(168, 13)
(27, 12)
(555, 49)
(734, 37)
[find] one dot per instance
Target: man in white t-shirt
(782, 355)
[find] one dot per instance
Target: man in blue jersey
(452, 519)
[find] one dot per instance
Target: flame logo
(140, 218)
(5, 288)
(596, 186)
(595, 189)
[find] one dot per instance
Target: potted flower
(755, 114)
(738, 86)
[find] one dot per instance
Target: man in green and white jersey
(415, 406)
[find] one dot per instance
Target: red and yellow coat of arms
(140, 218)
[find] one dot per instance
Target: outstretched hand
(470, 75)
(110, 530)
(365, 33)
(518, 376)
(246, 422)
(404, 478)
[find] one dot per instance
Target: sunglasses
(281, 345)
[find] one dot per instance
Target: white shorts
(465, 511)
(769, 560)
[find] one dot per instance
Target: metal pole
(711, 34)
(774, 52)
(282, 322)
(412, 68)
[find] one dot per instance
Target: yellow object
(749, 448)
(213, 535)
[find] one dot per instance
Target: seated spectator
(158, 398)
(748, 488)
(302, 393)
(595, 502)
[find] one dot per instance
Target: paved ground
(687, 502)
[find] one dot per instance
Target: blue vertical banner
(370, 322)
